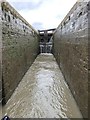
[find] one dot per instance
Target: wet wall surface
(71, 52)
(20, 48)
(0, 64)
(42, 93)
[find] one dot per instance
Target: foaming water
(42, 93)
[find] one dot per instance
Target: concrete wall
(71, 52)
(20, 48)
(0, 58)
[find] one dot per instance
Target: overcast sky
(43, 14)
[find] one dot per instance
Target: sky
(43, 14)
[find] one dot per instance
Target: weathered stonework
(0, 58)
(71, 52)
(20, 48)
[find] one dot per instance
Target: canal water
(42, 93)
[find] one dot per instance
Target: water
(42, 93)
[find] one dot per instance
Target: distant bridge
(45, 40)
(45, 35)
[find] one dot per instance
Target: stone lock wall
(0, 59)
(20, 48)
(71, 52)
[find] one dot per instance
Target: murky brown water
(42, 93)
